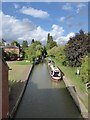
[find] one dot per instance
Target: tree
(24, 44)
(44, 52)
(32, 41)
(84, 70)
(50, 43)
(76, 47)
(49, 38)
(2, 42)
(15, 43)
(33, 51)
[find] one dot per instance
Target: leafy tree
(24, 44)
(58, 54)
(2, 42)
(32, 41)
(50, 43)
(76, 47)
(84, 70)
(35, 50)
(15, 43)
(49, 38)
(44, 52)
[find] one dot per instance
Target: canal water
(44, 98)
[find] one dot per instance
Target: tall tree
(76, 47)
(24, 44)
(50, 42)
(32, 41)
(15, 43)
(2, 42)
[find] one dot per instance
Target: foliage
(2, 42)
(58, 54)
(84, 70)
(24, 44)
(32, 41)
(15, 43)
(35, 50)
(50, 43)
(76, 47)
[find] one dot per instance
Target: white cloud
(67, 6)
(15, 29)
(57, 33)
(64, 39)
(79, 7)
(34, 12)
(16, 6)
(62, 19)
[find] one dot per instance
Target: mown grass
(23, 62)
(16, 71)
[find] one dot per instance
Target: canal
(44, 98)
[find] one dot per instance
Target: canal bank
(24, 80)
(75, 95)
(46, 99)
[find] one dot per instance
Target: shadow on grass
(15, 91)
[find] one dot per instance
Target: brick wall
(14, 50)
(0, 89)
(4, 99)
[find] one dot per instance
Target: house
(4, 90)
(12, 49)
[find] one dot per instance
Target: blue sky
(28, 20)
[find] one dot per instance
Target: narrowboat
(55, 73)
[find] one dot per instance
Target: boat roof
(54, 68)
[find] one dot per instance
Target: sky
(34, 20)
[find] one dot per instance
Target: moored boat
(55, 73)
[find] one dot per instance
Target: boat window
(51, 72)
(56, 74)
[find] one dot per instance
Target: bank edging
(74, 94)
(21, 94)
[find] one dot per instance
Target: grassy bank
(17, 69)
(70, 73)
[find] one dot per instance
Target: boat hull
(56, 79)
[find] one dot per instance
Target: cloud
(62, 19)
(70, 17)
(16, 6)
(67, 6)
(57, 33)
(79, 7)
(15, 29)
(34, 12)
